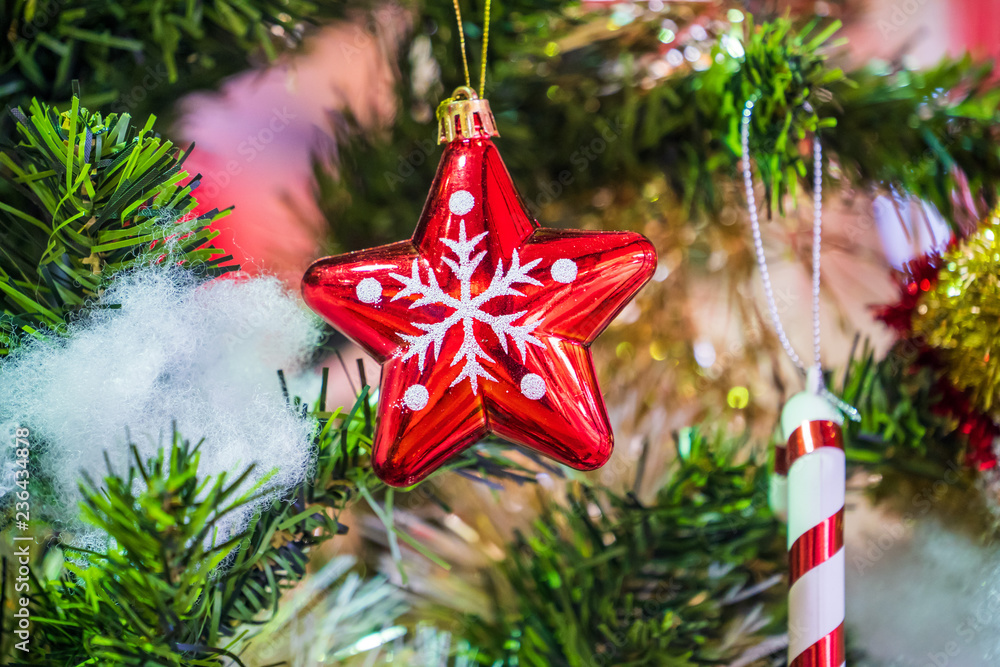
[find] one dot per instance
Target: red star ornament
(483, 321)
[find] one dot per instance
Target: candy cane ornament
(816, 489)
(809, 481)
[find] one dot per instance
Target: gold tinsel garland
(960, 315)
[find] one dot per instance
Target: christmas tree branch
(691, 578)
(920, 438)
(143, 600)
(584, 106)
(192, 598)
(135, 56)
(100, 195)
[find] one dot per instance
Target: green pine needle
(576, 113)
(611, 581)
(139, 55)
(101, 195)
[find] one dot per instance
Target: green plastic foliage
(275, 551)
(158, 595)
(782, 69)
(136, 56)
(97, 195)
(168, 591)
(145, 600)
(610, 581)
(578, 114)
(902, 425)
(912, 443)
(929, 133)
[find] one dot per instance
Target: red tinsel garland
(979, 428)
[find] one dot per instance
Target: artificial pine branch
(915, 436)
(335, 614)
(923, 132)
(902, 424)
(692, 578)
(580, 106)
(145, 599)
(165, 592)
(143, 55)
(98, 195)
(278, 541)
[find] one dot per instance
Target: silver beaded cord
(762, 260)
(817, 375)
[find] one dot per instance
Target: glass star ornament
(482, 321)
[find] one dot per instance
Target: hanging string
(486, 41)
(816, 376)
(461, 41)
(759, 245)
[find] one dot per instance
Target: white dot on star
(564, 270)
(416, 397)
(369, 290)
(461, 202)
(533, 386)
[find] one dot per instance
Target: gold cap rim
(465, 116)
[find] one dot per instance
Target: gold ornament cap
(465, 116)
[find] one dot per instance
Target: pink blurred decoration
(255, 137)
(976, 27)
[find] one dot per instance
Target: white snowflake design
(468, 309)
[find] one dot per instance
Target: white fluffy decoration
(205, 356)
(926, 599)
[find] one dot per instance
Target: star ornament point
(482, 322)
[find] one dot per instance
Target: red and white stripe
(816, 489)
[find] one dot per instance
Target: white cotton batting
(204, 356)
(930, 597)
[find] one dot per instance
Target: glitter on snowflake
(461, 202)
(468, 309)
(416, 397)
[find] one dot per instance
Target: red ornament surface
(482, 322)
